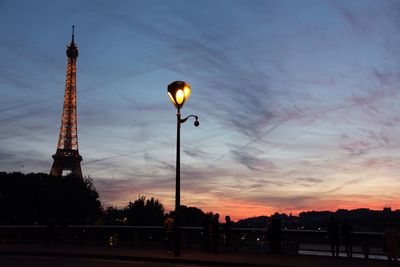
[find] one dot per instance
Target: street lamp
(179, 93)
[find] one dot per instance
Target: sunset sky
(299, 101)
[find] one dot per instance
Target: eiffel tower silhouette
(67, 159)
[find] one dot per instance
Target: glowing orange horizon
(242, 210)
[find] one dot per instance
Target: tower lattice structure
(67, 157)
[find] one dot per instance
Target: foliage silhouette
(145, 212)
(191, 216)
(40, 198)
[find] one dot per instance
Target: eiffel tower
(67, 159)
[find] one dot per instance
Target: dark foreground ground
(85, 256)
(22, 261)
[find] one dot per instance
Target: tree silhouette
(145, 212)
(191, 216)
(114, 216)
(39, 198)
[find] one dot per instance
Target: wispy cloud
(251, 161)
(298, 109)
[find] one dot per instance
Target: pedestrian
(207, 232)
(333, 234)
(52, 233)
(275, 234)
(346, 232)
(392, 244)
(168, 227)
(227, 233)
(215, 233)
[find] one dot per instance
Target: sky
(298, 101)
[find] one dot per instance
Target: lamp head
(179, 93)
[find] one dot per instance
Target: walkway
(189, 256)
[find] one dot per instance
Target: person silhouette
(333, 234)
(275, 234)
(346, 232)
(227, 233)
(52, 233)
(392, 244)
(168, 227)
(215, 233)
(207, 232)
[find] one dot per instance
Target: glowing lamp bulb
(180, 97)
(178, 93)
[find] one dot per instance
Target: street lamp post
(179, 93)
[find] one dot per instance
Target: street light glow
(172, 99)
(186, 91)
(179, 93)
(180, 97)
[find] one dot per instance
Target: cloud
(15, 80)
(356, 148)
(21, 106)
(351, 17)
(195, 152)
(288, 109)
(283, 203)
(251, 161)
(5, 156)
(340, 187)
(383, 163)
(310, 180)
(40, 57)
(368, 140)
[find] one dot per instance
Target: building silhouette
(67, 159)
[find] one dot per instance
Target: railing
(365, 244)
